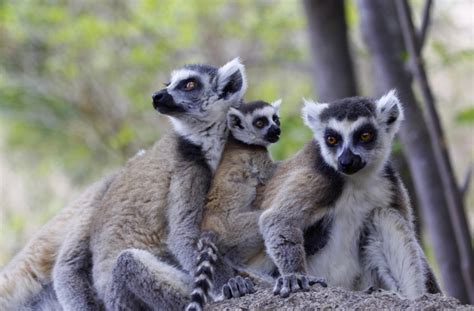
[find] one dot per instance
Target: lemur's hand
(291, 283)
(237, 287)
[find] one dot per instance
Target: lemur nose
(274, 130)
(346, 162)
(157, 97)
(347, 159)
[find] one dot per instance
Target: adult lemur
(342, 187)
(232, 209)
(143, 236)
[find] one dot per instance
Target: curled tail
(204, 274)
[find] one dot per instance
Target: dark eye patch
(276, 119)
(365, 128)
(260, 122)
(332, 133)
(182, 84)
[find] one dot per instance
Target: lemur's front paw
(237, 287)
(291, 283)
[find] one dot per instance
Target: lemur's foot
(370, 290)
(292, 283)
(237, 287)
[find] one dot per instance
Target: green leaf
(466, 116)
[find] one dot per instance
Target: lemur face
(355, 133)
(255, 123)
(201, 92)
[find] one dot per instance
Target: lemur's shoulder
(305, 174)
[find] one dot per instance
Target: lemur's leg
(45, 300)
(72, 274)
(141, 281)
(391, 252)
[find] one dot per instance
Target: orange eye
(331, 140)
(365, 137)
(190, 86)
(259, 124)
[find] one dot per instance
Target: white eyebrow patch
(346, 128)
(265, 111)
(180, 75)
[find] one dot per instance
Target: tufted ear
(276, 105)
(234, 119)
(311, 112)
(231, 80)
(390, 111)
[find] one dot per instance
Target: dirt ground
(319, 298)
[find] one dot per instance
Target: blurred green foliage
(466, 116)
(76, 78)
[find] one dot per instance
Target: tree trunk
(382, 34)
(333, 70)
(451, 189)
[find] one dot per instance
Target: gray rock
(319, 298)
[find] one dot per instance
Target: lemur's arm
(282, 229)
(282, 225)
(188, 189)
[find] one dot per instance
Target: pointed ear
(231, 80)
(276, 105)
(390, 111)
(234, 118)
(311, 112)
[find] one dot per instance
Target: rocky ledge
(319, 298)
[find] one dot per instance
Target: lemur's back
(229, 210)
(133, 211)
(299, 173)
(24, 276)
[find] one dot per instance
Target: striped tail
(204, 274)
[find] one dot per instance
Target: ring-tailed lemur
(30, 271)
(176, 173)
(144, 236)
(342, 187)
(231, 212)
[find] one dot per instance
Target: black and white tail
(204, 274)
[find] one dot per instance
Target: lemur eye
(259, 124)
(276, 119)
(366, 137)
(331, 140)
(191, 85)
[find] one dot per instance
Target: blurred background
(76, 79)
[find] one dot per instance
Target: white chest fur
(338, 260)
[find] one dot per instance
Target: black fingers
(249, 284)
(237, 287)
(295, 282)
(278, 286)
(320, 281)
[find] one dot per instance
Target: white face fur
(355, 134)
(201, 94)
(255, 123)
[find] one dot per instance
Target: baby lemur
(342, 190)
(231, 212)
